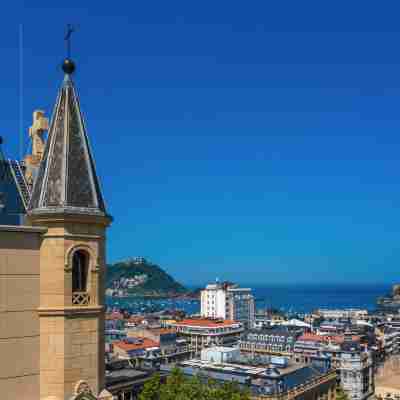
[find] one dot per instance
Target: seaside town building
(393, 326)
(338, 314)
(311, 347)
(332, 328)
(274, 341)
(145, 353)
(114, 321)
(220, 354)
(265, 383)
(171, 347)
(131, 348)
(204, 332)
(356, 370)
(389, 341)
(228, 301)
(166, 337)
(52, 268)
(352, 360)
(263, 318)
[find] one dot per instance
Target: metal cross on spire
(68, 65)
(67, 38)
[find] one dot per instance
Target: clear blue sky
(251, 141)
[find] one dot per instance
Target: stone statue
(36, 132)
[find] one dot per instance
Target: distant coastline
(175, 295)
(289, 298)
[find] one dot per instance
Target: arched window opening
(79, 271)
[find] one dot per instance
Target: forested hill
(137, 276)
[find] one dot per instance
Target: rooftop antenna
(21, 91)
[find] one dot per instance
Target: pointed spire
(67, 180)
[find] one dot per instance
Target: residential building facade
(228, 301)
(356, 371)
(202, 332)
(275, 341)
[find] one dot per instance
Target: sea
(290, 299)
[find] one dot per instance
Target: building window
(80, 269)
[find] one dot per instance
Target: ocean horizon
(300, 298)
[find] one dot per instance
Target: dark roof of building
(351, 346)
(121, 372)
(14, 194)
(126, 375)
(67, 181)
(303, 375)
(275, 379)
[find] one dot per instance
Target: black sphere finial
(68, 66)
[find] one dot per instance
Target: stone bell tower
(67, 200)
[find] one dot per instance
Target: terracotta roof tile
(325, 338)
(144, 344)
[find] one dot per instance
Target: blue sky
(251, 141)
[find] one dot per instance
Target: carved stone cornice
(23, 228)
(73, 236)
(70, 311)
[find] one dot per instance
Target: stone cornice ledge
(73, 236)
(70, 311)
(22, 228)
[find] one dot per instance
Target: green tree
(180, 387)
(151, 389)
(341, 394)
(192, 389)
(172, 388)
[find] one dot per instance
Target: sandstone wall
(19, 322)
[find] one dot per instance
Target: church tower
(67, 200)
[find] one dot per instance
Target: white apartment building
(213, 301)
(227, 301)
